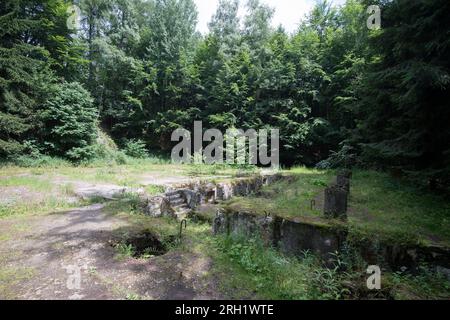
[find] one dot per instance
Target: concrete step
(173, 194)
(175, 202)
(180, 206)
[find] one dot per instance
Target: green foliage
(268, 274)
(34, 45)
(70, 122)
(426, 284)
(135, 148)
(124, 251)
(403, 105)
(164, 123)
(341, 94)
(274, 276)
(346, 157)
(23, 81)
(141, 64)
(40, 161)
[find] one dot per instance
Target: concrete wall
(294, 238)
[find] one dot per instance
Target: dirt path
(40, 257)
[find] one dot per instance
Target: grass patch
(263, 273)
(30, 208)
(379, 205)
(128, 174)
(288, 197)
(33, 183)
(49, 195)
(200, 170)
(154, 189)
(382, 203)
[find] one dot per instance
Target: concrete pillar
(343, 182)
(336, 202)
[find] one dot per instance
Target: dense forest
(341, 94)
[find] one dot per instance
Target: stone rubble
(180, 200)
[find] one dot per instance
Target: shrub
(135, 149)
(120, 158)
(40, 161)
(33, 157)
(345, 158)
(70, 122)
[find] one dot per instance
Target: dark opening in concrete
(146, 243)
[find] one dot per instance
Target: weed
(124, 251)
(92, 270)
(426, 284)
(155, 189)
(274, 276)
(132, 296)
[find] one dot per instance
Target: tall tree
(33, 41)
(169, 42)
(225, 25)
(403, 104)
(93, 26)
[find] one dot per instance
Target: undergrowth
(260, 272)
(272, 275)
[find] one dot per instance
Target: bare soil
(38, 255)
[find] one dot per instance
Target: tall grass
(255, 271)
(274, 276)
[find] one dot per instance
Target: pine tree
(36, 46)
(24, 69)
(403, 111)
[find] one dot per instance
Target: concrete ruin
(181, 200)
(294, 237)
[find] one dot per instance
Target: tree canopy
(341, 94)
